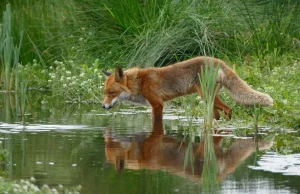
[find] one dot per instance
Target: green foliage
(36, 75)
(286, 141)
(149, 33)
(3, 161)
(76, 83)
(281, 83)
(152, 32)
(272, 25)
(28, 186)
(261, 28)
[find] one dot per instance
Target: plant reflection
(158, 151)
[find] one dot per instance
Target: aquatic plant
(76, 83)
(28, 186)
(208, 77)
(9, 54)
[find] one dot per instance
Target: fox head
(115, 87)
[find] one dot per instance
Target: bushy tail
(240, 91)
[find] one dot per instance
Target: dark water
(115, 152)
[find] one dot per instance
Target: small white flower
(45, 187)
(32, 179)
(25, 187)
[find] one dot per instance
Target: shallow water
(115, 152)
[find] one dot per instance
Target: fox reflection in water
(161, 152)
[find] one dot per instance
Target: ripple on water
(277, 163)
(16, 128)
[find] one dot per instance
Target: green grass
(46, 26)
(154, 32)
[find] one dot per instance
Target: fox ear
(119, 74)
(106, 73)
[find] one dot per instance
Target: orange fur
(154, 86)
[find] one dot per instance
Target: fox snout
(108, 104)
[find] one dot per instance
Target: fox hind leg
(216, 112)
(220, 105)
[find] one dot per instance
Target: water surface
(115, 152)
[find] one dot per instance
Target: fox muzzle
(111, 104)
(107, 106)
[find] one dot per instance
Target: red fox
(154, 86)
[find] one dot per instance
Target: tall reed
(9, 61)
(9, 54)
(208, 77)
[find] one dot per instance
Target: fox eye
(111, 93)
